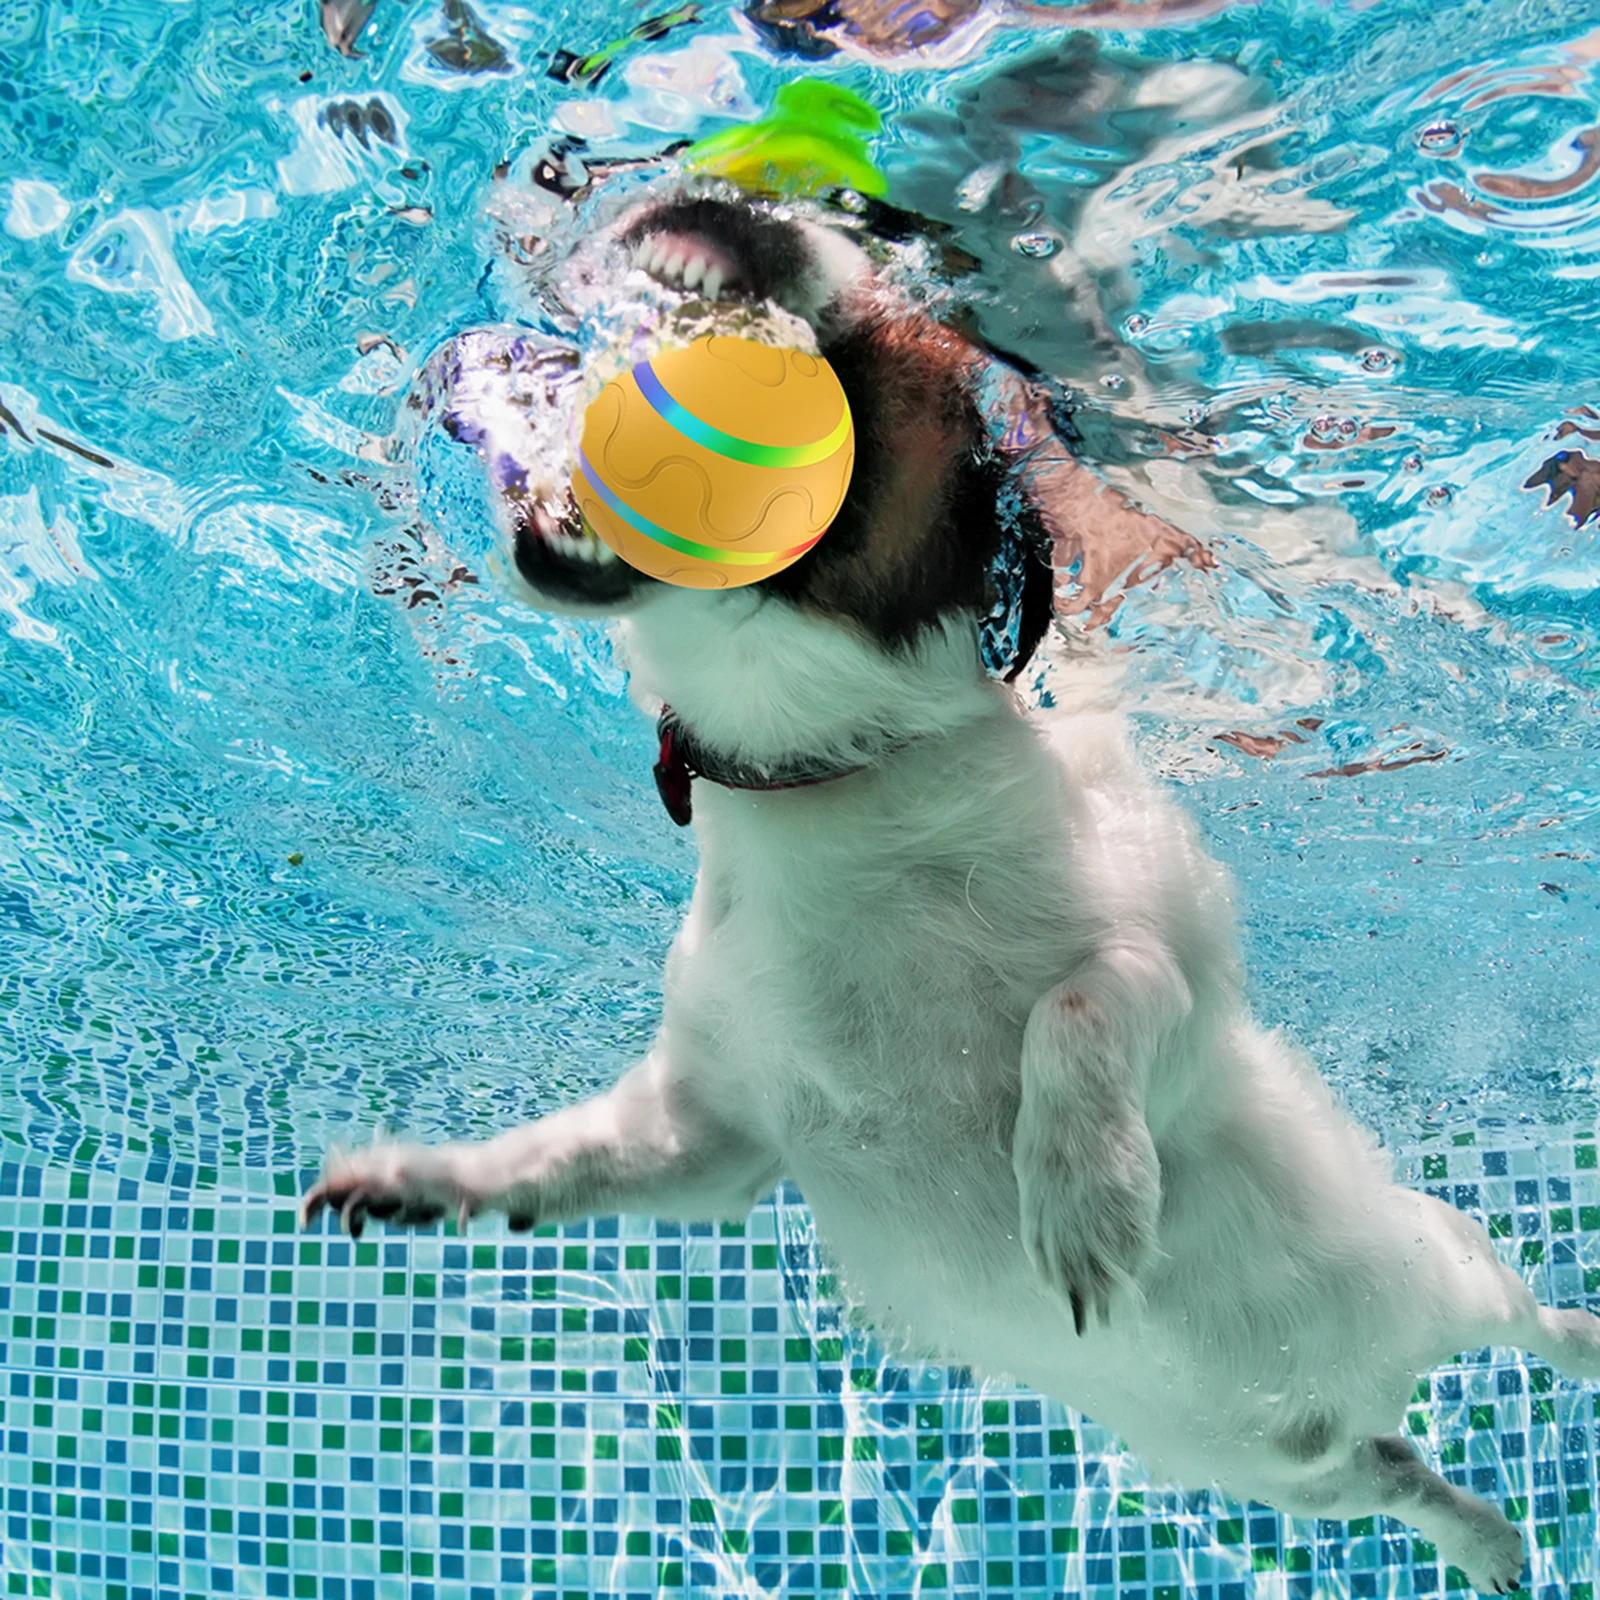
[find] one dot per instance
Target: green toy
(584, 72)
(811, 141)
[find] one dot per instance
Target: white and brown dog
(973, 984)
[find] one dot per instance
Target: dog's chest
(865, 998)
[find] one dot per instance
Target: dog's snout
(535, 524)
(563, 563)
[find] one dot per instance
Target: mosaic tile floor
(200, 1402)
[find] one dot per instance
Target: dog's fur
(982, 999)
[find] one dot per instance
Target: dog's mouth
(564, 561)
(700, 250)
(715, 250)
(689, 262)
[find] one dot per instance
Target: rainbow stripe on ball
(728, 445)
(687, 547)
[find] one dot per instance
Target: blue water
(304, 833)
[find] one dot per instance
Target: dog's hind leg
(1568, 1340)
(648, 1144)
(1385, 1475)
(1491, 1305)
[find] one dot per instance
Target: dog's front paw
(1089, 1214)
(406, 1183)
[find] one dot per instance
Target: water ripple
(303, 827)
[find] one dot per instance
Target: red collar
(683, 758)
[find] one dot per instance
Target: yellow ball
(717, 464)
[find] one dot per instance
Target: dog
(971, 981)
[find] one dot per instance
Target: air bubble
(1441, 494)
(1037, 246)
(1412, 464)
(1439, 139)
(1136, 324)
(1113, 380)
(1324, 427)
(850, 200)
(1557, 644)
(1377, 361)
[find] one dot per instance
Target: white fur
(983, 1002)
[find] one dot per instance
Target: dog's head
(917, 545)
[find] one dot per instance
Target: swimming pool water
(303, 833)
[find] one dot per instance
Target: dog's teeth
(694, 270)
(711, 286)
(578, 547)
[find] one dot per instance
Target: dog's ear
(1037, 429)
(1023, 582)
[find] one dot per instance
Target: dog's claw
(1077, 1311)
(405, 1185)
